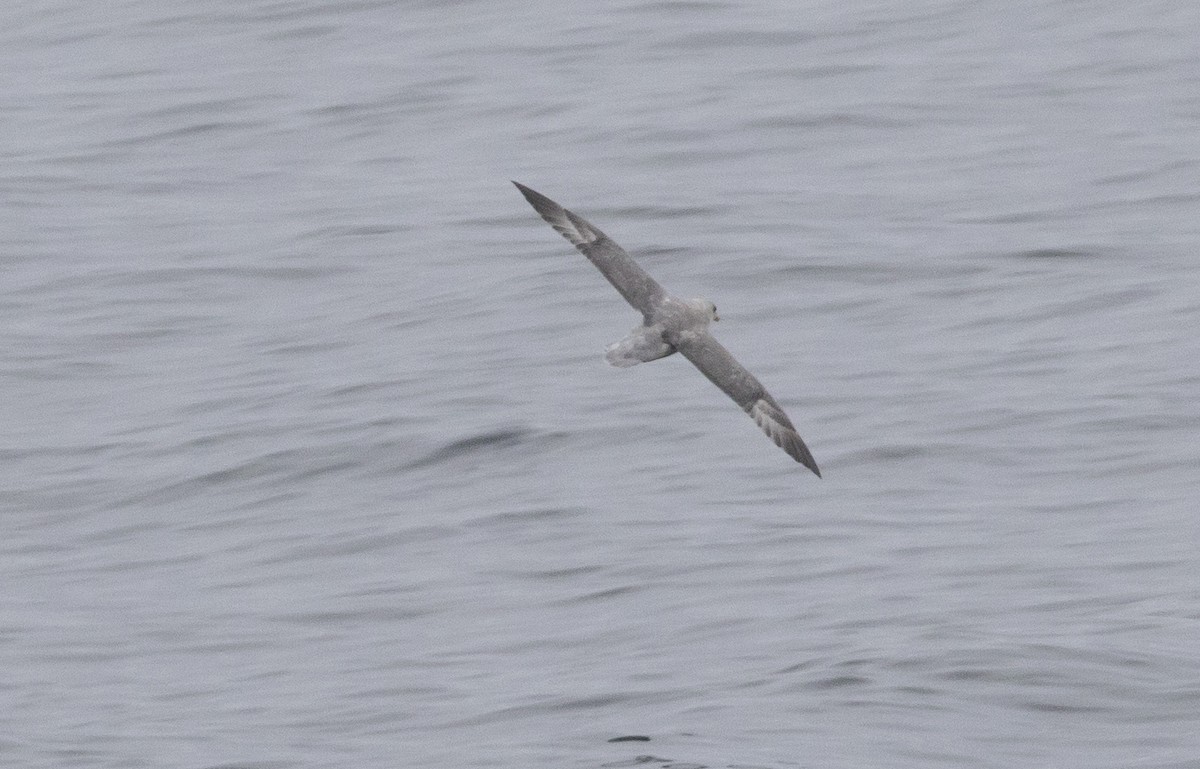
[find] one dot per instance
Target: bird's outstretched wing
(723, 370)
(633, 283)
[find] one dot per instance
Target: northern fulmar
(671, 324)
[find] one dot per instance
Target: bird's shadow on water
(649, 760)
(466, 446)
(669, 763)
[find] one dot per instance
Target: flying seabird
(671, 324)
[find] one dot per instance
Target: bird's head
(702, 307)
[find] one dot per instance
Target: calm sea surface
(310, 456)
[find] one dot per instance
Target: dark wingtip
(529, 194)
(807, 460)
(801, 454)
(542, 204)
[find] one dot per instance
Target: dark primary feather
(630, 280)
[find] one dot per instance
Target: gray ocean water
(311, 457)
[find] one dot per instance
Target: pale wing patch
(779, 429)
(576, 229)
(773, 421)
(571, 227)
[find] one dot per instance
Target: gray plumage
(671, 324)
